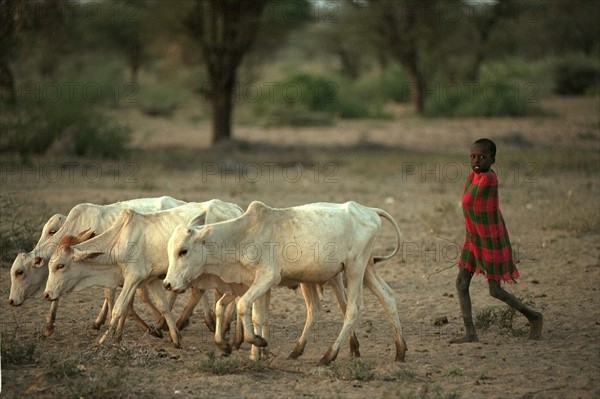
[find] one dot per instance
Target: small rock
(440, 321)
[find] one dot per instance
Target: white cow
(51, 227)
(131, 253)
(29, 271)
(311, 243)
(231, 291)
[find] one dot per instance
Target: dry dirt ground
(413, 168)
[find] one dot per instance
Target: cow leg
(354, 272)
(142, 324)
(101, 318)
(109, 299)
(228, 317)
(313, 305)
(260, 318)
(337, 284)
(195, 297)
(50, 319)
(157, 293)
(142, 293)
(119, 312)
(264, 280)
(220, 309)
(238, 337)
(385, 294)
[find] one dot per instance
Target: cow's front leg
(158, 296)
(109, 298)
(260, 317)
(120, 311)
(50, 319)
(266, 278)
(220, 311)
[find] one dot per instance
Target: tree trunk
(7, 84)
(418, 88)
(222, 106)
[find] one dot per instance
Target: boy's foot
(464, 339)
(535, 327)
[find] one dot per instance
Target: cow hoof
(210, 322)
(48, 331)
(328, 358)
(155, 332)
(258, 341)
(237, 342)
(96, 325)
(224, 347)
(184, 324)
(295, 354)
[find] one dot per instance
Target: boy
(487, 247)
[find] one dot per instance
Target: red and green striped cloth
(487, 247)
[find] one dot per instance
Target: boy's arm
(485, 206)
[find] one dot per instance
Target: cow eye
(183, 252)
(51, 232)
(60, 266)
(19, 273)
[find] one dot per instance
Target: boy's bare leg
(536, 320)
(463, 281)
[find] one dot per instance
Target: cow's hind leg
(337, 284)
(311, 298)
(354, 272)
(386, 297)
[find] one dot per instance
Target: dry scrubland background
(549, 195)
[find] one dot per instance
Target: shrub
(70, 128)
(576, 76)
(314, 100)
(18, 351)
(491, 99)
(17, 233)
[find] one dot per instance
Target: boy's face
(481, 158)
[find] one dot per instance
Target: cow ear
(85, 235)
(199, 220)
(87, 255)
(39, 261)
(203, 233)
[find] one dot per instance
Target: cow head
(188, 254)
(62, 276)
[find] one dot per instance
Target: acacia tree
(10, 17)
(225, 31)
(406, 27)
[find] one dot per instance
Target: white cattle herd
(163, 246)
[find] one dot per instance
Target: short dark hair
(490, 144)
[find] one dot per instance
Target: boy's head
(483, 155)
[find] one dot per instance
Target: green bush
(576, 76)
(295, 115)
(314, 100)
(33, 128)
(489, 98)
